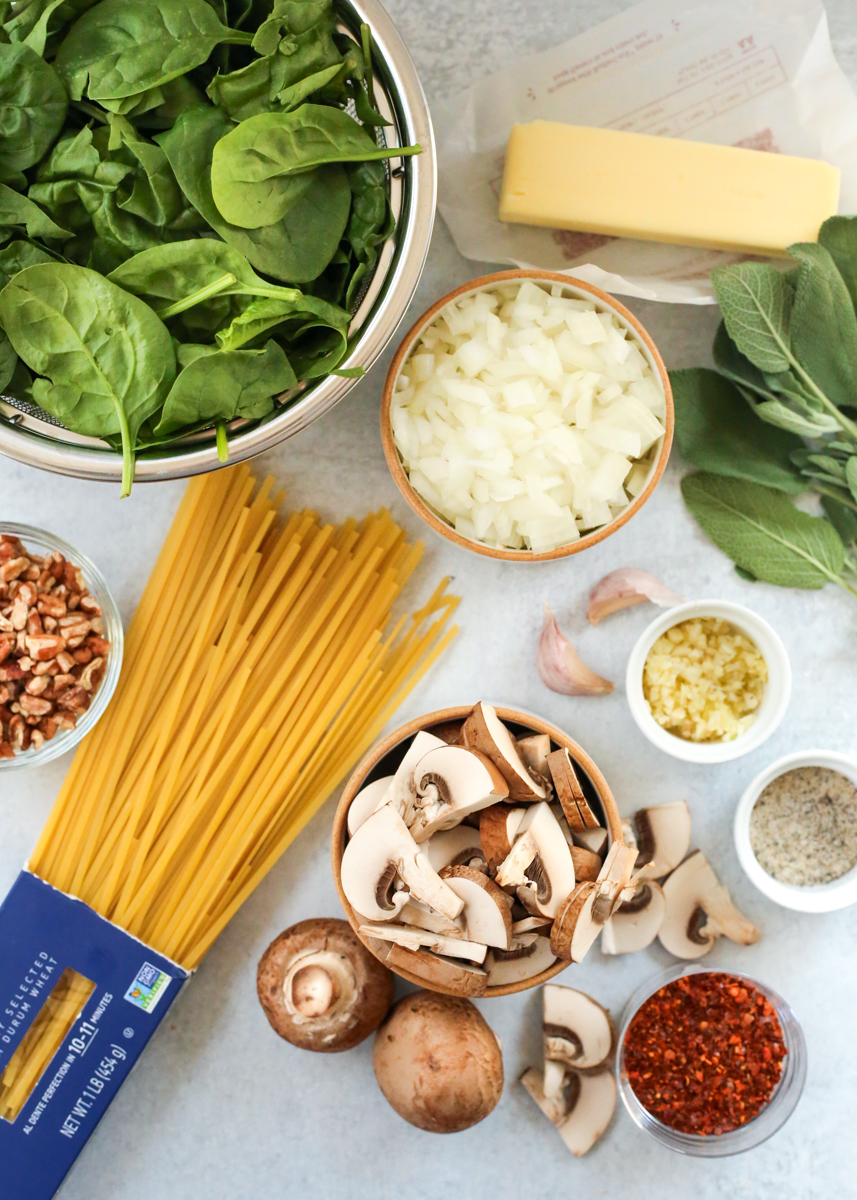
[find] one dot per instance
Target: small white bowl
(775, 698)
(822, 897)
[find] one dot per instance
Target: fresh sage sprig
(786, 353)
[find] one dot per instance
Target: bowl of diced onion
(527, 416)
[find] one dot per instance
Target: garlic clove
(560, 667)
(627, 586)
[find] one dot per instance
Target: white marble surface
(218, 1107)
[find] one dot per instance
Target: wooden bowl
(438, 524)
(593, 782)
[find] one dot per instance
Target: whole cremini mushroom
(320, 987)
(438, 1062)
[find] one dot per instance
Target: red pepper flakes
(705, 1053)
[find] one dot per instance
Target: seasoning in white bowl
(803, 827)
(704, 680)
(525, 417)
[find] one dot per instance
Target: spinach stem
(238, 38)
(222, 442)
(127, 452)
(366, 40)
(212, 289)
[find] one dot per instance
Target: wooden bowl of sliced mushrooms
(477, 851)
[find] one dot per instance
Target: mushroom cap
(320, 987)
(581, 1111)
(451, 782)
(530, 955)
(498, 825)
(438, 1062)
(458, 846)
(539, 864)
(487, 910)
(454, 976)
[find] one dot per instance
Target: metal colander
(34, 437)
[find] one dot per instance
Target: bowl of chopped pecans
(60, 646)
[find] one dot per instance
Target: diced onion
(525, 418)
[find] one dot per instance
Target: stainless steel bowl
(399, 95)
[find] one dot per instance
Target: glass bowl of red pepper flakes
(710, 1063)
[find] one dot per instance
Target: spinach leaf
(107, 361)
(171, 274)
(27, 16)
(838, 235)
(302, 33)
(715, 431)
(19, 254)
(267, 313)
(33, 105)
(824, 325)
(16, 209)
(370, 222)
(124, 47)
(296, 249)
(38, 35)
(762, 531)
(224, 385)
(8, 361)
(756, 302)
(253, 166)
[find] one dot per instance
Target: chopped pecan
(91, 674)
(13, 567)
(38, 684)
(5, 647)
(45, 646)
(10, 670)
(35, 706)
(18, 614)
(34, 622)
(74, 699)
(90, 606)
(83, 655)
(51, 606)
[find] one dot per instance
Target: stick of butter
(664, 189)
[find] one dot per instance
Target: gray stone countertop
(218, 1108)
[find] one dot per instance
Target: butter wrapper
(754, 73)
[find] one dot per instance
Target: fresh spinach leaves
(33, 106)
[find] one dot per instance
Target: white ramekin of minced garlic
(708, 681)
(796, 831)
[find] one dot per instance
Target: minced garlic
(704, 680)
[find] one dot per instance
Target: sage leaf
(296, 249)
(838, 235)
(756, 302)
(254, 167)
(762, 531)
(715, 430)
(33, 105)
(107, 361)
(851, 476)
(843, 520)
(776, 413)
(824, 324)
(221, 386)
(125, 47)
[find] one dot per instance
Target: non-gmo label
(147, 988)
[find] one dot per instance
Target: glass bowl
(41, 542)
(746, 1137)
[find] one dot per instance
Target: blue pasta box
(79, 1001)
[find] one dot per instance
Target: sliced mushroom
(539, 866)
(529, 924)
(416, 939)
(629, 835)
(663, 838)
(592, 839)
(528, 956)
(534, 751)
(581, 1111)
(366, 801)
(636, 922)
(587, 865)
(422, 917)
(485, 732)
(616, 881)
(698, 910)
(449, 783)
(498, 828)
(569, 792)
(487, 917)
(458, 976)
(449, 732)
(382, 853)
(577, 1030)
(320, 987)
(574, 930)
(455, 847)
(401, 790)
